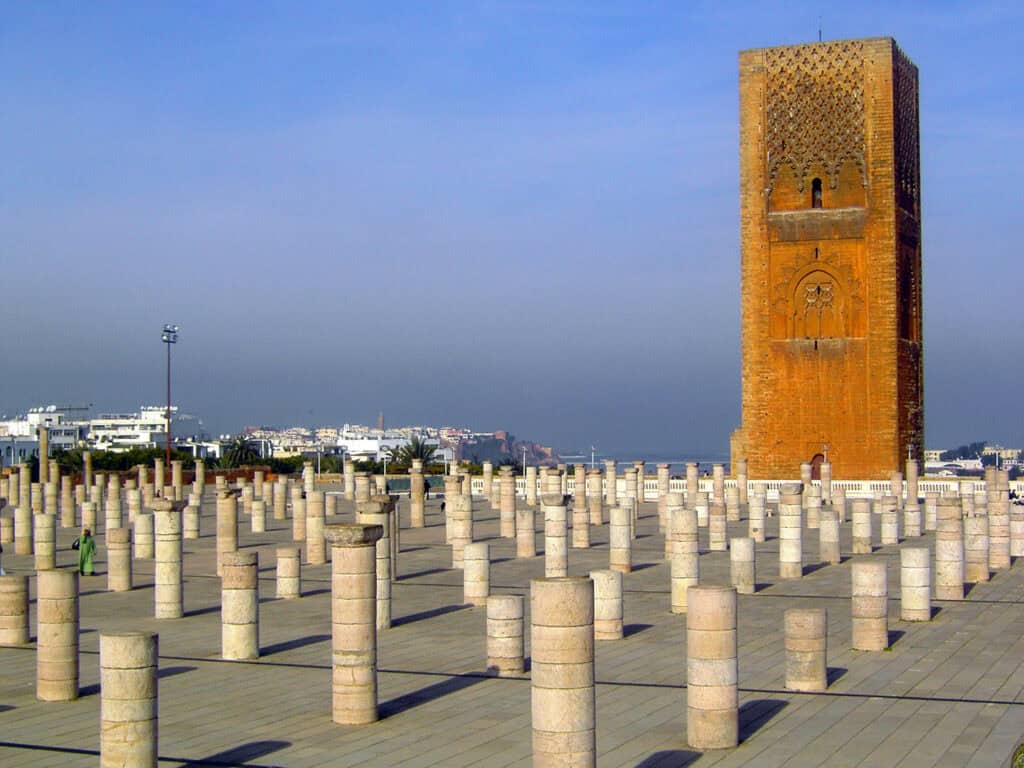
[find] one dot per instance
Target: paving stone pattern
(948, 692)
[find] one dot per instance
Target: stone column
(460, 507)
(629, 476)
(673, 503)
(24, 486)
(556, 536)
(67, 503)
(580, 516)
(488, 477)
(813, 500)
(258, 521)
(378, 511)
(299, 513)
(119, 560)
(610, 483)
(227, 526)
(915, 584)
(36, 498)
(168, 597)
(806, 633)
(712, 699)
(806, 475)
(362, 486)
(476, 573)
(281, 499)
(825, 472)
(999, 531)
(507, 506)
(579, 486)
(620, 543)
(417, 503)
(45, 541)
(309, 478)
(505, 635)
(144, 536)
(248, 495)
(44, 454)
(289, 572)
(896, 488)
(692, 484)
(828, 537)
(13, 610)
(158, 477)
(889, 521)
(526, 532)
(607, 604)
(80, 494)
(594, 497)
(190, 522)
(51, 494)
(143, 478)
(176, 480)
(6, 530)
(23, 531)
(790, 543)
(316, 520)
(718, 483)
(531, 486)
(87, 468)
(257, 483)
(57, 635)
(869, 605)
(861, 527)
(200, 479)
(717, 529)
(732, 504)
(641, 478)
(112, 508)
(562, 673)
(700, 504)
(134, 500)
(685, 553)
(976, 549)
(966, 502)
(353, 622)
(755, 522)
(742, 480)
(949, 551)
(742, 565)
(239, 606)
(128, 699)
(839, 503)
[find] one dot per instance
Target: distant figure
(86, 546)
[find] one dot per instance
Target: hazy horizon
(502, 215)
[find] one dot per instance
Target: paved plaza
(949, 692)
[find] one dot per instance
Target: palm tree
(239, 453)
(416, 448)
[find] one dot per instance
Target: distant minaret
(380, 421)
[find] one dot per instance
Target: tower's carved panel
(815, 109)
(905, 130)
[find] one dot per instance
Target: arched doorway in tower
(816, 462)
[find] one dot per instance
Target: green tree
(239, 453)
(416, 448)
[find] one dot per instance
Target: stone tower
(830, 210)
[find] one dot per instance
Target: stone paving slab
(948, 692)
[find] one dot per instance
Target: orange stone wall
(831, 295)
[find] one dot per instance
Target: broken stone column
(931, 508)
(417, 488)
(379, 511)
(869, 605)
(861, 527)
(999, 530)
(257, 483)
(227, 526)
(158, 477)
(240, 606)
(248, 496)
(6, 530)
(531, 486)
(488, 477)
(281, 499)
(460, 507)
(712, 699)
(507, 514)
(632, 483)
(505, 635)
(25, 486)
(562, 672)
(620, 543)
(362, 487)
(309, 478)
(87, 468)
(732, 504)
(57, 635)
(915, 584)
(594, 497)
(790, 543)
(22, 531)
(718, 483)
(190, 522)
(476, 573)
(717, 528)
(36, 498)
(67, 503)
(611, 493)
(289, 572)
(43, 434)
(45, 541)
(299, 513)
(806, 478)
(580, 517)
(144, 536)
(742, 480)
(825, 473)
(119, 560)
(133, 497)
(685, 562)
(700, 504)
(664, 481)
(673, 503)
(176, 480)
(755, 513)
(112, 507)
(316, 549)
(51, 496)
(976, 549)
(896, 488)
(353, 622)
(692, 484)
(813, 501)
(199, 482)
(14, 610)
(607, 604)
(258, 521)
(889, 521)
(128, 699)
(828, 537)
(526, 532)
(839, 503)
(168, 597)
(806, 639)
(452, 488)
(556, 536)
(949, 551)
(742, 565)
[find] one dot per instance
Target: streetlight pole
(168, 336)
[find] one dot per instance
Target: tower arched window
(816, 193)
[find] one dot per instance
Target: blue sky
(518, 215)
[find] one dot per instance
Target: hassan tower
(830, 218)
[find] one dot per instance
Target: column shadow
(632, 629)
(755, 714)
(240, 755)
(894, 637)
(832, 674)
(427, 572)
(413, 617)
(669, 758)
(430, 693)
(270, 650)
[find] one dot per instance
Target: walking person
(86, 546)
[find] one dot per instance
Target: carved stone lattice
(908, 153)
(815, 109)
(817, 298)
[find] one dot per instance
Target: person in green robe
(86, 546)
